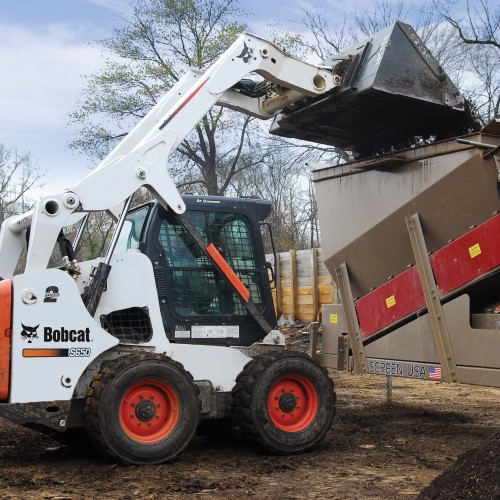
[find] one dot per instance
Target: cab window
(196, 287)
(132, 228)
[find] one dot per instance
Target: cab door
(198, 305)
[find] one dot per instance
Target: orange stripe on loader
(228, 271)
(5, 333)
(45, 353)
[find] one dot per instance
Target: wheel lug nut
(132, 404)
(291, 414)
(131, 415)
(141, 396)
(149, 424)
(276, 397)
(157, 416)
(291, 390)
(298, 407)
(151, 397)
(138, 424)
(282, 390)
(276, 408)
(282, 414)
(157, 405)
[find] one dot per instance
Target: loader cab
(196, 303)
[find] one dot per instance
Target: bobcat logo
(246, 53)
(29, 333)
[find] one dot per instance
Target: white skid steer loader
(176, 323)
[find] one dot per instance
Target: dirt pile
(476, 474)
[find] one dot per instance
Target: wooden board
(303, 284)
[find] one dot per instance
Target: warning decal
(215, 331)
(474, 250)
(390, 301)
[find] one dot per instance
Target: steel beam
(354, 330)
(432, 300)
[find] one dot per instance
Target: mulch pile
(475, 474)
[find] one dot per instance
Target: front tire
(285, 401)
(142, 409)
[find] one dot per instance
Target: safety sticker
(390, 301)
(214, 331)
(474, 250)
(334, 318)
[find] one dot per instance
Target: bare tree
(19, 174)
(96, 237)
(282, 178)
(478, 29)
(479, 26)
(329, 38)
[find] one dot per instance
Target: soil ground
(375, 449)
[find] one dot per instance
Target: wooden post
(314, 282)
(333, 293)
(293, 282)
(277, 274)
(389, 388)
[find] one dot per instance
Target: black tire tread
(107, 372)
(244, 387)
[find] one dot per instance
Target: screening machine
(410, 230)
(413, 240)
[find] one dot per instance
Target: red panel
(468, 257)
(390, 302)
(5, 317)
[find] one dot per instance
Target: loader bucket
(392, 90)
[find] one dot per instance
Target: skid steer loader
(176, 323)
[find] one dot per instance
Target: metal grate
(129, 325)
(197, 289)
(161, 287)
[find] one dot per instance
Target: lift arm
(141, 158)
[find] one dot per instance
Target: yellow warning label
(474, 250)
(390, 301)
(334, 318)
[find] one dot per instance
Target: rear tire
(142, 409)
(285, 401)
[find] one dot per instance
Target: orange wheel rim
(149, 411)
(293, 403)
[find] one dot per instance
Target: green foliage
(144, 58)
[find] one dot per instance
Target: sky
(45, 51)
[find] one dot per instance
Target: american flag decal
(435, 372)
